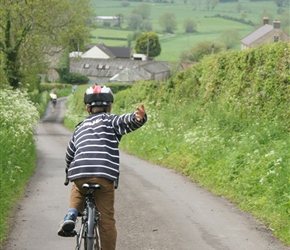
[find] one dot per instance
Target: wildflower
(270, 153)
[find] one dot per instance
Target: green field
(208, 29)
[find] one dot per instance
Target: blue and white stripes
(93, 150)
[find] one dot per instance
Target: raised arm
(129, 122)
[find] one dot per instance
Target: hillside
(243, 16)
(225, 124)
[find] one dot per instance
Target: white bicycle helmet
(98, 96)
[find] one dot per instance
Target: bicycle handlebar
(66, 182)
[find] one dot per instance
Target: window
(120, 67)
(100, 66)
(86, 65)
(107, 67)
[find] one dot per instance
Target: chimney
(276, 24)
(265, 20)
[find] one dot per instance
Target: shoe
(62, 233)
(67, 225)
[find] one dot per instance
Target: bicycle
(54, 101)
(89, 230)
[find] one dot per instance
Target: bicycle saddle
(91, 186)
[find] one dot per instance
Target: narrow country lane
(156, 208)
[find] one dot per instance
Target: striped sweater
(93, 150)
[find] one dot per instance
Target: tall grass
(225, 124)
(18, 153)
(19, 113)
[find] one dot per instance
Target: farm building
(265, 34)
(122, 70)
(101, 51)
(107, 19)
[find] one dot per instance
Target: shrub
(75, 78)
(18, 153)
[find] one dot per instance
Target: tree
(281, 3)
(263, 14)
(213, 4)
(146, 25)
(285, 19)
(134, 22)
(201, 49)
(125, 4)
(196, 4)
(168, 22)
(32, 29)
(133, 36)
(3, 79)
(144, 10)
(120, 19)
(148, 43)
(230, 38)
(190, 25)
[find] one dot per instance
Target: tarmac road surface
(156, 208)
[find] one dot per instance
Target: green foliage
(18, 156)
(125, 4)
(75, 78)
(189, 25)
(197, 52)
(33, 29)
(132, 37)
(134, 22)
(224, 122)
(281, 3)
(240, 20)
(20, 111)
(113, 38)
(168, 22)
(4, 81)
(54, 86)
(209, 27)
(137, 23)
(148, 42)
(144, 10)
(230, 38)
(66, 76)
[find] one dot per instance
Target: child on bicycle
(92, 156)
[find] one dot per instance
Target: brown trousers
(104, 201)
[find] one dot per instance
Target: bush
(125, 4)
(224, 122)
(75, 78)
(18, 156)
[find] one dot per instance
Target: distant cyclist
(92, 156)
(53, 98)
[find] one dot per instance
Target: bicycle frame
(54, 102)
(89, 230)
